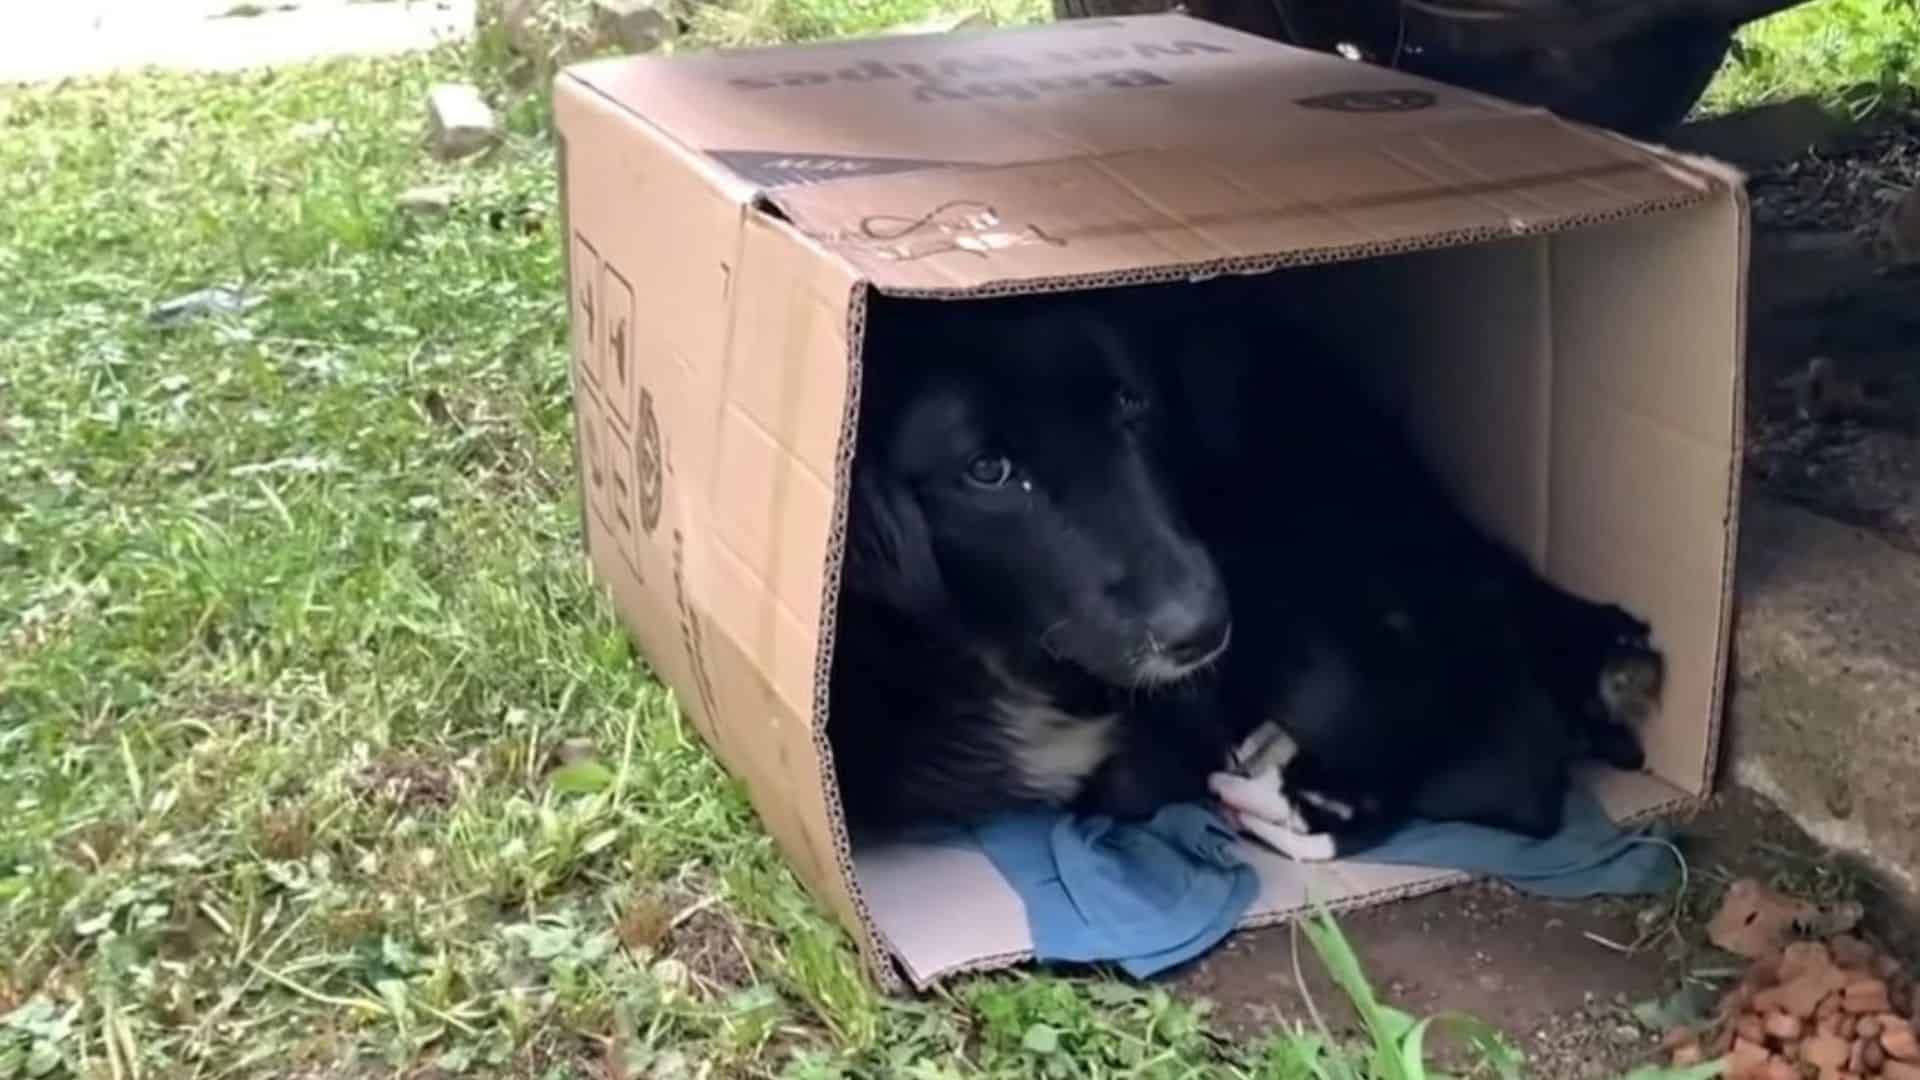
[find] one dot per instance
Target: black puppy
(1025, 613)
(1419, 668)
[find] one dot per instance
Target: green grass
(1859, 54)
(321, 756)
(760, 22)
(295, 636)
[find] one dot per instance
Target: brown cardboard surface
(1553, 313)
(801, 114)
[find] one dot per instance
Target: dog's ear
(889, 548)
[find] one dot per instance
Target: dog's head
(1010, 481)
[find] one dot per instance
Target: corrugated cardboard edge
(1260, 264)
(1735, 182)
(1710, 178)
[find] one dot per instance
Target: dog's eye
(989, 471)
(1132, 403)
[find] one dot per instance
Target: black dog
(1419, 668)
(1051, 504)
(1024, 610)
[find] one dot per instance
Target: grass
(322, 757)
(1859, 54)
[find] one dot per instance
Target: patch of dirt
(1537, 969)
(408, 781)
(1845, 445)
(689, 925)
(1848, 189)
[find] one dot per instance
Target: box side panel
(1647, 383)
(782, 432)
(709, 356)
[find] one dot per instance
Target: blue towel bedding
(1153, 895)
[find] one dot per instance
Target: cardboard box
(1556, 313)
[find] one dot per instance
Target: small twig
(1672, 923)
(1300, 980)
(693, 909)
(312, 994)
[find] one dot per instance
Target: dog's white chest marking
(1054, 752)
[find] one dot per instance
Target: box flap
(1197, 211)
(802, 114)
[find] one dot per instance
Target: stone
(437, 199)
(1866, 996)
(1784, 1026)
(1804, 996)
(1874, 1056)
(1900, 1070)
(947, 23)
(1779, 1068)
(1900, 1044)
(1750, 1028)
(459, 122)
(1899, 239)
(1755, 921)
(1825, 1051)
(1747, 1058)
(1686, 1054)
(1802, 957)
(638, 26)
(517, 22)
(217, 300)
(1852, 953)
(1768, 135)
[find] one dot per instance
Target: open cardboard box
(1556, 313)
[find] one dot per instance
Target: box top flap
(1158, 214)
(777, 117)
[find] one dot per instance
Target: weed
(1862, 55)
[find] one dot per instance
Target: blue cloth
(1157, 894)
(1589, 856)
(1146, 896)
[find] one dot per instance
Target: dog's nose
(1192, 626)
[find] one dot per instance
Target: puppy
(1418, 668)
(1027, 618)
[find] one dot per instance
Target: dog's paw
(1258, 806)
(1260, 796)
(1300, 847)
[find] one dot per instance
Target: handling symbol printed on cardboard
(649, 465)
(616, 343)
(612, 492)
(586, 307)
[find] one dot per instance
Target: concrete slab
(46, 42)
(1826, 702)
